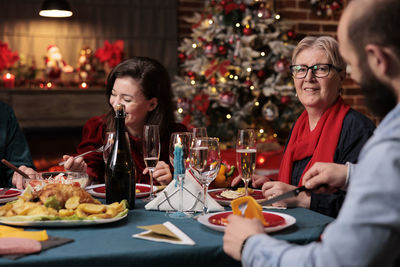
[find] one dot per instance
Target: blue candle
(179, 167)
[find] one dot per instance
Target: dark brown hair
(154, 81)
(378, 24)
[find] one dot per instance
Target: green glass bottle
(120, 170)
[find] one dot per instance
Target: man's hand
(274, 189)
(332, 175)
(238, 229)
(17, 179)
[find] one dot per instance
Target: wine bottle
(120, 170)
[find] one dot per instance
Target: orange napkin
(253, 210)
(7, 231)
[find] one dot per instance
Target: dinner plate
(61, 223)
(99, 190)
(216, 195)
(10, 195)
(277, 221)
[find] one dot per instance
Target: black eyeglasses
(319, 70)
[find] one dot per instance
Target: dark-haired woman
(143, 86)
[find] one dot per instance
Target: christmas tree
(235, 71)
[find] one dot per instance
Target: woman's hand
(162, 173)
(237, 230)
(17, 179)
(256, 180)
(74, 164)
(274, 189)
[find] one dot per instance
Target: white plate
(90, 190)
(216, 195)
(62, 223)
(8, 199)
(288, 221)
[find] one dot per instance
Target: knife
(292, 193)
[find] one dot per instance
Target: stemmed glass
(108, 144)
(199, 132)
(151, 151)
(180, 145)
(205, 160)
(246, 155)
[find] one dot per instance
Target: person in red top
(328, 130)
(143, 86)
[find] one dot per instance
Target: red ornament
(281, 65)
(285, 99)
(181, 56)
(213, 81)
(222, 49)
(260, 73)
(227, 99)
(242, 7)
(247, 31)
(290, 34)
(248, 83)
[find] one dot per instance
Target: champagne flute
(151, 151)
(199, 132)
(180, 141)
(205, 160)
(108, 144)
(246, 155)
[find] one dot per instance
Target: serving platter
(277, 221)
(36, 222)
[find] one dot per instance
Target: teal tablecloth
(112, 244)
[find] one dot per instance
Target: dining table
(112, 244)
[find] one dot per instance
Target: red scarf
(319, 143)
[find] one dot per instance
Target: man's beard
(379, 97)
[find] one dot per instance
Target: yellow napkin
(253, 210)
(7, 231)
(166, 232)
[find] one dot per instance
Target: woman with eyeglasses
(327, 131)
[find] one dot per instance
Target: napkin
(22, 246)
(166, 232)
(7, 231)
(253, 209)
(192, 197)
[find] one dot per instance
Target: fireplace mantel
(54, 108)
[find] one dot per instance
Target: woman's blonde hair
(326, 43)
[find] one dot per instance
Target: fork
(242, 207)
(100, 149)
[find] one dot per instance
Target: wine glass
(246, 155)
(205, 160)
(151, 151)
(180, 141)
(199, 132)
(108, 145)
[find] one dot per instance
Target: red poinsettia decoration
(111, 53)
(7, 57)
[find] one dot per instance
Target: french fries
(72, 209)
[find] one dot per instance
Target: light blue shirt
(367, 230)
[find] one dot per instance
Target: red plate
(272, 219)
(10, 193)
(100, 190)
(142, 189)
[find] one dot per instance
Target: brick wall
(305, 22)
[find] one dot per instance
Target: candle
(8, 80)
(178, 158)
